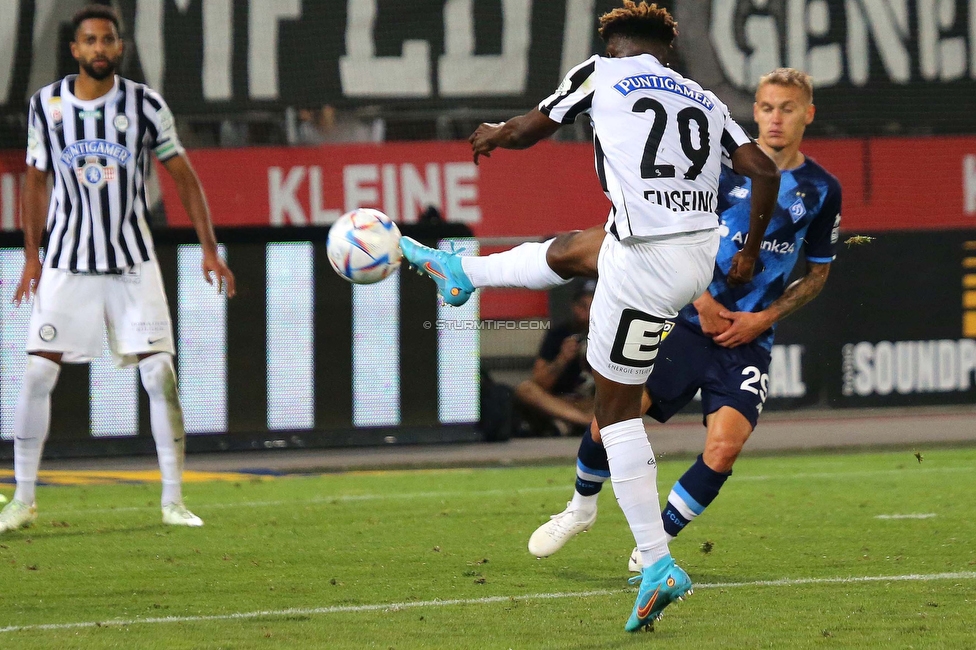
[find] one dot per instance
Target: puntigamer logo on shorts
(47, 332)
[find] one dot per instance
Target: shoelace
(563, 517)
(454, 249)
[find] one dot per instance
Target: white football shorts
(643, 283)
(70, 309)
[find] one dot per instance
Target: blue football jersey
(807, 217)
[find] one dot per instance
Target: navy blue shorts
(688, 361)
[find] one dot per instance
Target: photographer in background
(559, 396)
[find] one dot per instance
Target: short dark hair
(640, 21)
(99, 11)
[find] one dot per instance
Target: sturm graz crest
(47, 332)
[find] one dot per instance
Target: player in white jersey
(659, 140)
(94, 133)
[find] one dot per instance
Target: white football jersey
(659, 140)
(99, 152)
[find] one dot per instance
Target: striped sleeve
(161, 127)
(574, 95)
(733, 137)
(37, 144)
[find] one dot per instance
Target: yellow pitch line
(109, 477)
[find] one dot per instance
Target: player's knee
(40, 376)
(721, 454)
(159, 376)
(559, 255)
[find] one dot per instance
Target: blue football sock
(592, 468)
(689, 497)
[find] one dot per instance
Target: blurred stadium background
(294, 112)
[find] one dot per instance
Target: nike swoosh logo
(430, 269)
(155, 341)
(645, 611)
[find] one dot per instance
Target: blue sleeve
(820, 243)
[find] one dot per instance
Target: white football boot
(17, 514)
(636, 563)
(553, 535)
(176, 514)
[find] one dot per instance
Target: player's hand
(708, 313)
(746, 326)
(29, 279)
(215, 267)
(711, 323)
(482, 140)
(569, 349)
(742, 269)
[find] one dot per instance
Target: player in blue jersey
(721, 343)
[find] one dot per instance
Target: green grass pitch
(437, 559)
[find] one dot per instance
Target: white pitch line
(395, 607)
(928, 515)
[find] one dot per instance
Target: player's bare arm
(517, 133)
(195, 204)
(34, 212)
(750, 161)
(746, 326)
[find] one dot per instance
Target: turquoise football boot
(661, 584)
(443, 268)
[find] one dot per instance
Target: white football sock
(584, 504)
(524, 266)
(166, 420)
(633, 474)
(32, 418)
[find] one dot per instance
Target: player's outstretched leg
(166, 420)
(443, 268)
(661, 584)
(526, 266)
(592, 471)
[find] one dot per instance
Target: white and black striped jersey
(98, 151)
(659, 139)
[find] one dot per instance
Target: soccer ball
(364, 246)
